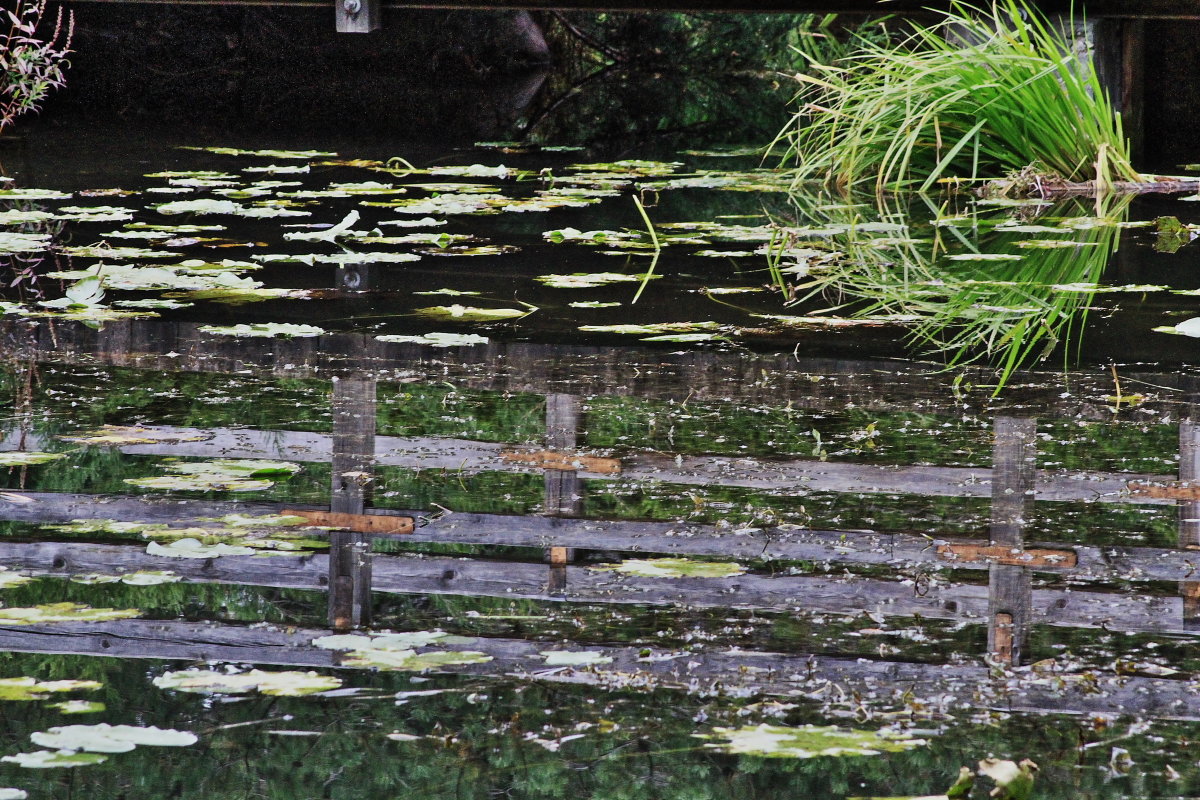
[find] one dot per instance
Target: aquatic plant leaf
(409, 661)
(132, 434)
(201, 483)
(673, 568)
(287, 329)
(46, 759)
(1052, 244)
(683, 337)
(108, 251)
(589, 280)
(436, 339)
(11, 242)
(262, 520)
(21, 458)
(76, 707)
(472, 314)
(652, 328)
(33, 194)
(26, 688)
(593, 304)
(188, 547)
(476, 250)
(473, 171)
(17, 216)
(807, 741)
(984, 257)
(1014, 781)
(283, 684)
(63, 612)
(242, 296)
(131, 278)
(113, 526)
(1189, 327)
(449, 293)
(577, 658)
(13, 794)
(212, 206)
(150, 577)
(423, 222)
(329, 234)
(386, 641)
(234, 151)
(8, 578)
(105, 738)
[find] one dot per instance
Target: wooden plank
(700, 671)
(1175, 490)
(788, 475)
(1001, 635)
(549, 459)
(515, 580)
(359, 523)
(1004, 554)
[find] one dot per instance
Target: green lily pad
(25, 688)
(132, 434)
(8, 578)
(76, 707)
(283, 684)
(105, 738)
(234, 151)
(46, 759)
(410, 661)
(33, 194)
(472, 314)
(1189, 327)
(22, 458)
(807, 741)
(585, 280)
(11, 242)
(63, 612)
(436, 339)
(13, 794)
(287, 329)
(568, 658)
(673, 568)
(385, 641)
(194, 548)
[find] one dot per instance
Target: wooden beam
(384, 524)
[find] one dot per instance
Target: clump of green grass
(982, 92)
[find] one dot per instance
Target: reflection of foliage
(674, 79)
(32, 65)
(1012, 298)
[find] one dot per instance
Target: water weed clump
(32, 65)
(982, 92)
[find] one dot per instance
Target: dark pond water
(744, 537)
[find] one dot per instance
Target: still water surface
(928, 572)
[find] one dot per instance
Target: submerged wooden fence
(1006, 603)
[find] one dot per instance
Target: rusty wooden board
(550, 459)
(1175, 490)
(359, 523)
(1004, 554)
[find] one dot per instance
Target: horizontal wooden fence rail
(1082, 562)
(792, 476)
(403, 574)
(1039, 690)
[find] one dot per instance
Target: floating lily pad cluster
(398, 651)
(282, 684)
(82, 745)
(218, 475)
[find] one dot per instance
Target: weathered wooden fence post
(354, 411)
(1010, 589)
